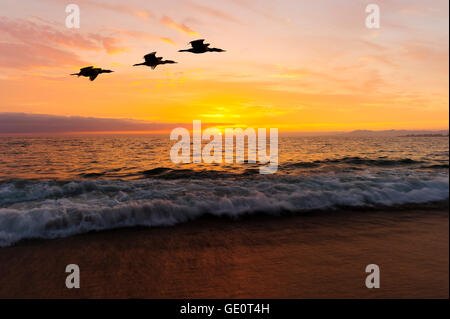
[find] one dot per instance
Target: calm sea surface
(131, 157)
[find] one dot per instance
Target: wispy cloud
(177, 26)
(39, 35)
(425, 51)
(145, 36)
(214, 12)
(110, 44)
(378, 58)
(25, 56)
(30, 32)
(123, 9)
(167, 40)
(268, 14)
(142, 14)
(373, 45)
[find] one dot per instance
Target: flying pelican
(91, 72)
(153, 61)
(199, 47)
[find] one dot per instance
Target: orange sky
(295, 65)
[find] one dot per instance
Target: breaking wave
(50, 209)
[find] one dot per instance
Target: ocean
(54, 187)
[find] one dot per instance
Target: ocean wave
(436, 166)
(339, 164)
(356, 160)
(50, 209)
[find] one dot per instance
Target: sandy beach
(317, 255)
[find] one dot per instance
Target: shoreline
(320, 255)
(316, 213)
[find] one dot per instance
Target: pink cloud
(127, 9)
(27, 44)
(31, 32)
(177, 26)
(25, 56)
(146, 36)
(123, 9)
(214, 12)
(27, 32)
(257, 9)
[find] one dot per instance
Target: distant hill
(397, 133)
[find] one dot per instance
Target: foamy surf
(51, 209)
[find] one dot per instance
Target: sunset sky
(292, 64)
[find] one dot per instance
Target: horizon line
(33, 124)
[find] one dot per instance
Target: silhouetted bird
(198, 46)
(91, 72)
(153, 61)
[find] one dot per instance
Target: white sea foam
(59, 209)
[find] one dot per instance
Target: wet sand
(318, 255)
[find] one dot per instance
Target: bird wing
(197, 43)
(216, 50)
(92, 77)
(151, 57)
(86, 68)
(168, 62)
